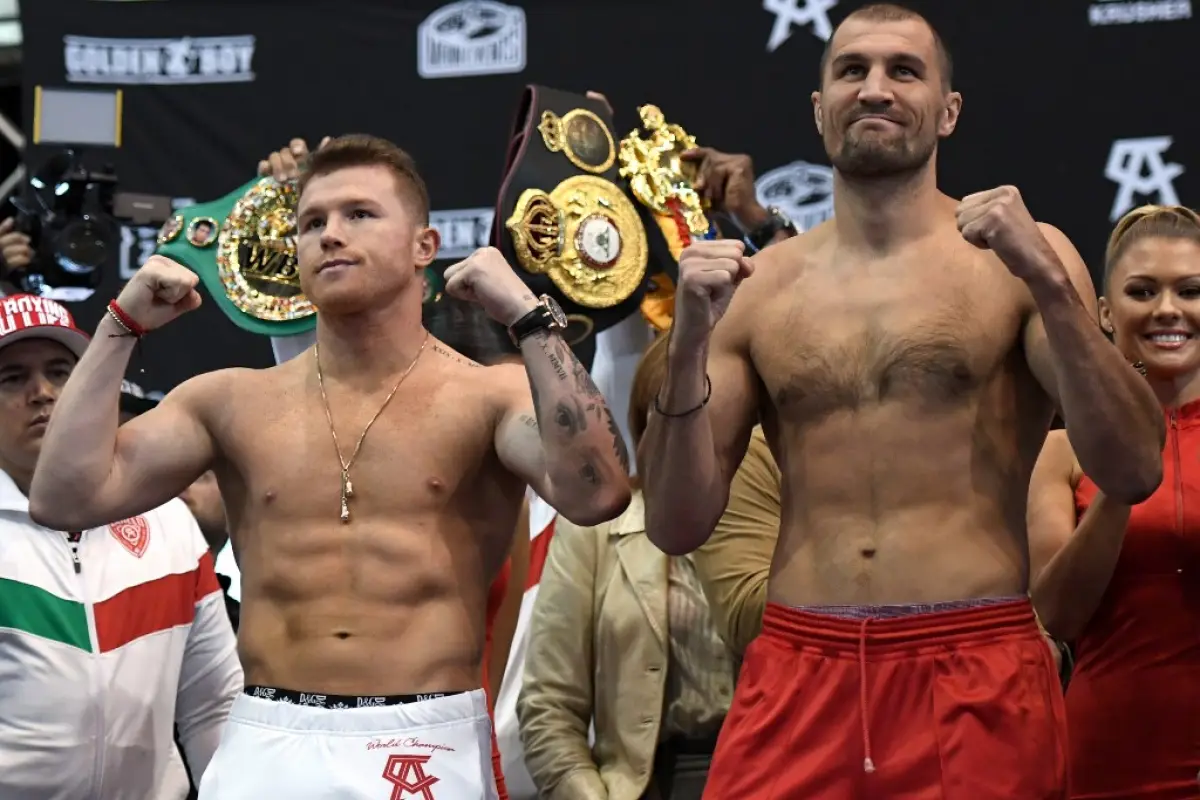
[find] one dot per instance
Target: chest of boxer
(934, 335)
(430, 496)
(905, 420)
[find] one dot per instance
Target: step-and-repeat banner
(1082, 104)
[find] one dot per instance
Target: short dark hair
(468, 329)
(362, 150)
(894, 12)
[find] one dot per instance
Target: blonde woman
(622, 636)
(1119, 581)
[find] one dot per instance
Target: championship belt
(243, 249)
(562, 217)
(661, 181)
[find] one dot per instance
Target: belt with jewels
(673, 212)
(243, 248)
(563, 219)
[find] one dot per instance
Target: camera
(67, 212)
(72, 213)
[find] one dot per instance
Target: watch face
(556, 313)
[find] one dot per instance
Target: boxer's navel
(342, 634)
(435, 485)
(867, 552)
(269, 496)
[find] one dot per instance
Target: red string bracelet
(125, 321)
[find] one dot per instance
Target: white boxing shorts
(291, 745)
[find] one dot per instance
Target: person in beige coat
(622, 638)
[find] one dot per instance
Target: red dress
(1133, 704)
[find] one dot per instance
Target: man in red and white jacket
(108, 637)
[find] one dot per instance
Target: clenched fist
(998, 220)
(159, 292)
(486, 279)
(709, 274)
(285, 164)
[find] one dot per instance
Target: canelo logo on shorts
(407, 773)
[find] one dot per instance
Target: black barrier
(1083, 105)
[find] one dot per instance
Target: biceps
(519, 446)
(158, 455)
(733, 406)
(1041, 359)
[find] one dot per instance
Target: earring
(1140, 367)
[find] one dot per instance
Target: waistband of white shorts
(465, 707)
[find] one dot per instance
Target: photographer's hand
(16, 250)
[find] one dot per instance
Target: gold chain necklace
(347, 486)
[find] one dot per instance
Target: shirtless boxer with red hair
(372, 486)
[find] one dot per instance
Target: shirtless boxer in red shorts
(906, 359)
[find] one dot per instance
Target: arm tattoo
(529, 422)
(550, 346)
(537, 403)
(583, 378)
(570, 414)
(589, 474)
(571, 420)
(618, 440)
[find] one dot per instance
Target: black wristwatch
(547, 316)
(761, 236)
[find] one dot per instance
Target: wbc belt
(562, 218)
(243, 248)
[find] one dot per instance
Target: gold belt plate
(581, 136)
(586, 235)
(256, 254)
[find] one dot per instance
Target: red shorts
(954, 705)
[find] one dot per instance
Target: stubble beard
(876, 157)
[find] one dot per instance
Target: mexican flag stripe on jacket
(34, 610)
(157, 605)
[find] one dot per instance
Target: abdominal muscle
(372, 608)
(882, 507)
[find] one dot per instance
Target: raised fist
(285, 164)
(709, 274)
(159, 292)
(486, 279)
(998, 220)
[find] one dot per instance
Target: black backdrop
(1085, 106)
